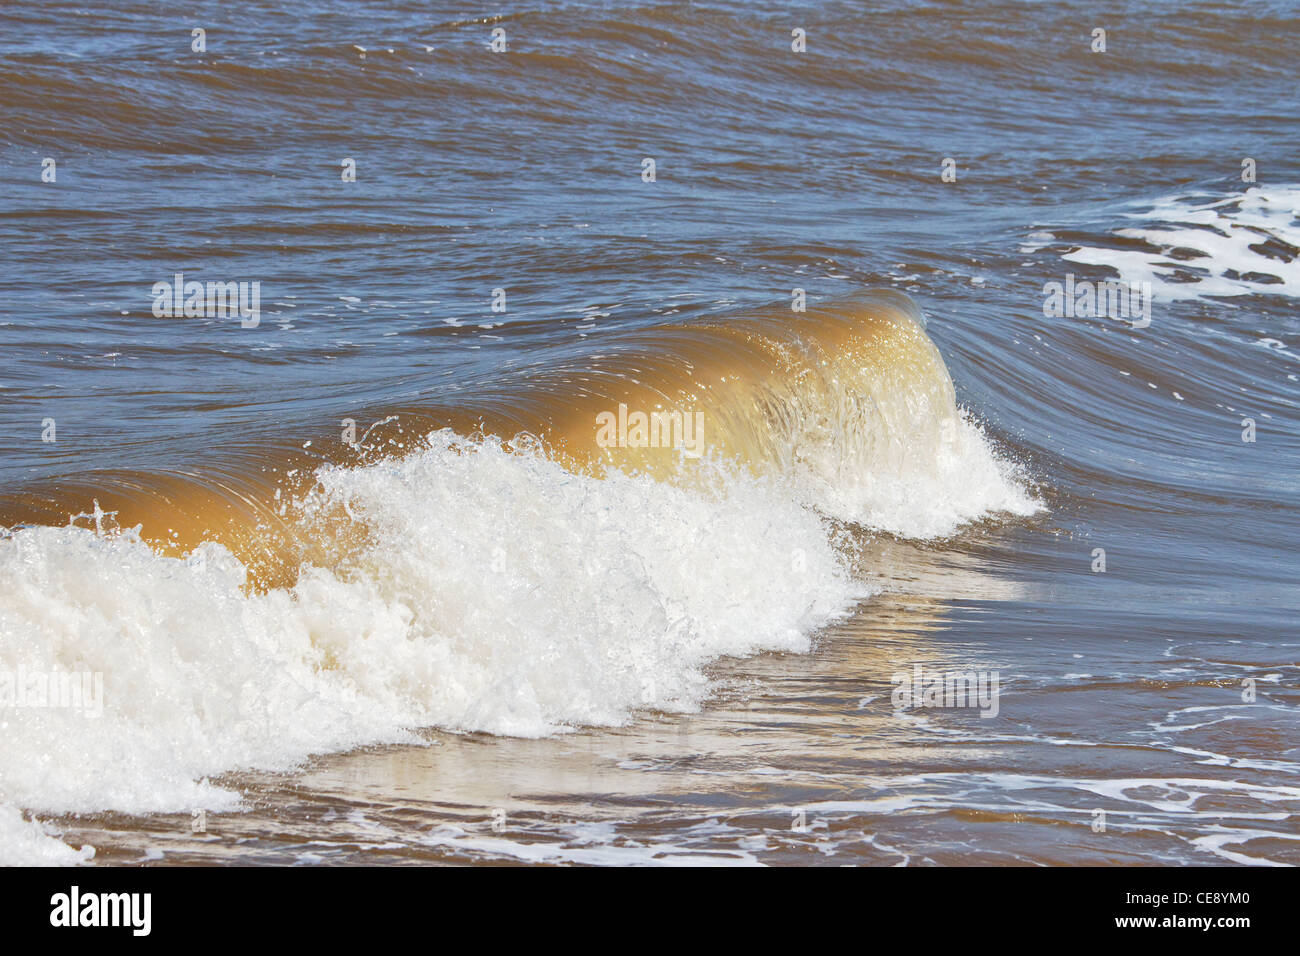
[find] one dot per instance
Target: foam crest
(485, 591)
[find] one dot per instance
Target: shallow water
(483, 654)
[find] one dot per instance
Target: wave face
(476, 584)
(850, 405)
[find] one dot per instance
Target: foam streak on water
(1191, 246)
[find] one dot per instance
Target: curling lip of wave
(478, 584)
(852, 403)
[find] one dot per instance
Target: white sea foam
(925, 484)
(496, 592)
(25, 842)
(1223, 232)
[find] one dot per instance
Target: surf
(851, 403)
(490, 568)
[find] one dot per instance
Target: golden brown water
(761, 387)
